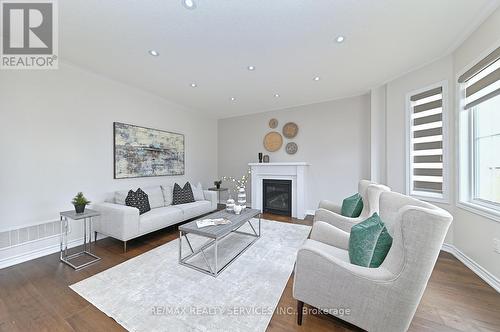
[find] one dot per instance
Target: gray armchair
(378, 299)
(329, 212)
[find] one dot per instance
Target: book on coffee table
(212, 222)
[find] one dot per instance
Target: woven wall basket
(290, 130)
(273, 141)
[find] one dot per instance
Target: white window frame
(427, 196)
(464, 155)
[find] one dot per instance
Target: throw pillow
(120, 197)
(138, 199)
(198, 192)
(167, 194)
(369, 242)
(352, 206)
(155, 196)
(182, 195)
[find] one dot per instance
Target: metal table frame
(218, 191)
(214, 271)
(87, 250)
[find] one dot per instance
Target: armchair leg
(95, 237)
(300, 306)
(124, 246)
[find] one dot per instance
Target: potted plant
(80, 202)
(217, 184)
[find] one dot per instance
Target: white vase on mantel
(242, 198)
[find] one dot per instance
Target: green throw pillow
(352, 206)
(369, 242)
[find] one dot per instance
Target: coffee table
(214, 235)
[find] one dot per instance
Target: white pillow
(198, 192)
(120, 197)
(155, 196)
(167, 194)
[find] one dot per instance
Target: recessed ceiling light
(276, 95)
(317, 78)
(193, 85)
(233, 99)
(251, 68)
(154, 53)
(340, 39)
(189, 4)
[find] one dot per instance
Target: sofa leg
(124, 246)
(95, 237)
(300, 306)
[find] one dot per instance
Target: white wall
(378, 142)
(472, 234)
(56, 138)
(333, 136)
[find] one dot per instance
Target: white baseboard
(26, 256)
(481, 272)
(310, 212)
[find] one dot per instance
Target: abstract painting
(142, 152)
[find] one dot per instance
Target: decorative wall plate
(273, 123)
(290, 130)
(291, 148)
(273, 141)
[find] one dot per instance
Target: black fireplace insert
(277, 196)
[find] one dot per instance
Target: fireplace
(296, 172)
(277, 196)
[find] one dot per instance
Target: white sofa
(124, 222)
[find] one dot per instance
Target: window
(480, 134)
(425, 143)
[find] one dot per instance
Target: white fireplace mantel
(294, 171)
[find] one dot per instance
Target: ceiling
(288, 41)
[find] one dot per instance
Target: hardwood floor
(34, 296)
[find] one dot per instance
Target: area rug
(152, 292)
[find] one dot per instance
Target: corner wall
(378, 141)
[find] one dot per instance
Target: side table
(218, 190)
(87, 250)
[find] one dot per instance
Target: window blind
(426, 141)
(482, 81)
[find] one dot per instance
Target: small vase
(242, 198)
(230, 205)
(79, 209)
(237, 209)
(260, 157)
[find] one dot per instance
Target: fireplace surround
(296, 172)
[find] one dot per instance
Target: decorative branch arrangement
(238, 183)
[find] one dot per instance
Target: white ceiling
(288, 41)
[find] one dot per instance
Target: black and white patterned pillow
(138, 199)
(182, 195)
